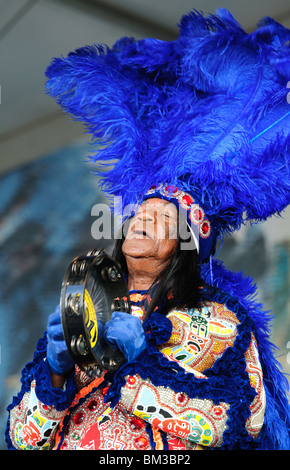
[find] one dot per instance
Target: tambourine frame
(84, 316)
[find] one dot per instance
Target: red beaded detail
(79, 417)
(181, 398)
(131, 380)
(93, 405)
(136, 424)
(141, 443)
(172, 190)
(104, 390)
(186, 200)
(204, 229)
(218, 411)
(196, 214)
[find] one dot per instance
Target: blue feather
(209, 104)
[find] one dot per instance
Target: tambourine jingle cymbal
(93, 287)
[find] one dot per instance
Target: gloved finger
(116, 315)
(118, 334)
(54, 318)
(60, 347)
(127, 336)
(55, 332)
(126, 319)
(59, 358)
(116, 344)
(123, 328)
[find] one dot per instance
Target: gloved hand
(59, 359)
(126, 333)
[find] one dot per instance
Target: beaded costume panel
(200, 336)
(149, 416)
(33, 424)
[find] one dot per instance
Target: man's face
(152, 232)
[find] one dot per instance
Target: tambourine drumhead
(92, 289)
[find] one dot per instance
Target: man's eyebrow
(168, 209)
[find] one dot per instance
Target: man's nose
(146, 215)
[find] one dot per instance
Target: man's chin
(137, 247)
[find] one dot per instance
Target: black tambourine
(93, 288)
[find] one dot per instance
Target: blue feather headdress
(206, 113)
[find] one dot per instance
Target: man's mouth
(141, 233)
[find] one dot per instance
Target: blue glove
(126, 333)
(59, 359)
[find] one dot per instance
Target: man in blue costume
(199, 125)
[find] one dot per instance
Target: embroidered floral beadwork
(200, 337)
(151, 415)
(34, 424)
(257, 407)
(175, 413)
